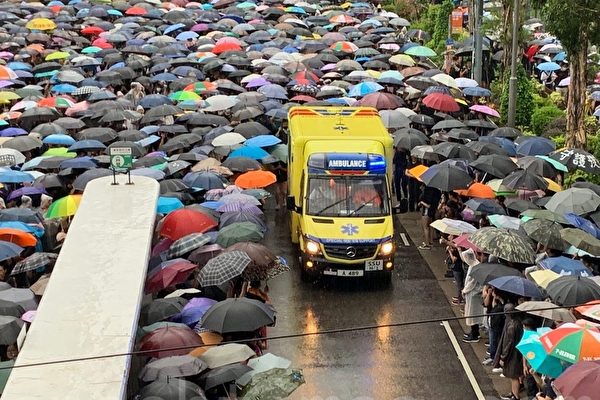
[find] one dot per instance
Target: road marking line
(463, 361)
(405, 239)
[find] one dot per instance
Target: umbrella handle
(244, 289)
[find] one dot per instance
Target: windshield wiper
(362, 205)
(331, 205)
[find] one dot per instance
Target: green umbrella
(183, 96)
(239, 232)
(557, 165)
(582, 240)
(5, 373)
(545, 232)
(280, 152)
(544, 214)
(505, 244)
(277, 383)
(420, 51)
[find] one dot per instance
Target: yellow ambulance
(339, 191)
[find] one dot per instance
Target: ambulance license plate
(350, 273)
(374, 265)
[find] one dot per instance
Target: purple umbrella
(25, 191)
(257, 82)
(12, 132)
(194, 310)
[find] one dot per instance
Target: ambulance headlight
(387, 248)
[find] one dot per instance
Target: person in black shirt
(429, 204)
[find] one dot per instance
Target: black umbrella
(172, 389)
(448, 124)
(172, 185)
(103, 135)
(485, 272)
(82, 180)
(25, 215)
(588, 185)
(8, 308)
(454, 150)
(221, 375)
(251, 129)
(485, 148)
(572, 290)
(494, 164)
(408, 138)
(10, 327)
(238, 315)
(462, 134)
(161, 309)
(505, 132)
(49, 181)
(241, 164)
(577, 159)
(538, 166)
(421, 119)
(521, 205)
(446, 178)
(524, 179)
(23, 143)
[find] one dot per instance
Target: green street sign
(121, 158)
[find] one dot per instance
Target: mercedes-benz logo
(350, 251)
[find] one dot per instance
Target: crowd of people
(199, 93)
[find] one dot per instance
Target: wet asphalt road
(413, 362)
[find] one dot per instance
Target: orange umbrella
(417, 171)
(480, 191)
(18, 237)
(255, 179)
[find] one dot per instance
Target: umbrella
(571, 290)
(161, 309)
(516, 285)
(505, 244)
(194, 310)
(535, 146)
(544, 214)
(171, 388)
(485, 272)
(172, 274)
(579, 381)
(255, 179)
(565, 266)
(166, 205)
(277, 383)
(537, 357)
(545, 232)
(9, 250)
(225, 354)
(453, 227)
(10, 327)
(574, 200)
(441, 102)
(238, 315)
(524, 179)
(546, 310)
(577, 159)
(494, 164)
(486, 206)
(408, 139)
(23, 297)
(241, 164)
(11, 309)
(239, 232)
(82, 180)
(172, 367)
(581, 240)
(446, 178)
(64, 207)
(223, 268)
(157, 342)
(573, 342)
(583, 224)
(34, 261)
(182, 222)
(187, 244)
(222, 375)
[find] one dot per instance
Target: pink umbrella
(29, 316)
(162, 246)
(463, 241)
(77, 108)
(485, 110)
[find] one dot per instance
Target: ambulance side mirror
(291, 204)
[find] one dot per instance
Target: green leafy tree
(524, 98)
(440, 30)
(575, 23)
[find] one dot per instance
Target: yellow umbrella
(402, 59)
(57, 55)
(7, 96)
(553, 186)
(544, 277)
(41, 24)
(373, 73)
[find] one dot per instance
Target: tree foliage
(524, 97)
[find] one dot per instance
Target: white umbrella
(10, 157)
(394, 119)
(261, 364)
(445, 79)
(574, 200)
(228, 139)
(220, 102)
(466, 82)
(453, 226)
(226, 354)
(503, 221)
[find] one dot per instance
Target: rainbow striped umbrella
(64, 207)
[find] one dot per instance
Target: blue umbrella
(19, 66)
(583, 224)
(12, 132)
(11, 176)
(536, 355)
(477, 92)
(535, 146)
(186, 35)
(364, 88)
(211, 205)
(173, 28)
(165, 77)
(274, 91)
(60, 139)
(548, 66)
(154, 100)
(249, 151)
(194, 310)
(87, 145)
(505, 143)
(516, 285)
(562, 56)
(263, 141)
(9, 250)
(565, 266)
(147, 141)
(37, 230)
(63, 88)
(204, 180)
(79, 162)
(167, 204)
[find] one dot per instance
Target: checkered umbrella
(85, 90)
(223, 268)
(187, 244)
(34, 261)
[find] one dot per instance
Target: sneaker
(488, 354)
(470, 339)
(487, 361)
(497, 370)
(424, 246)
(509, 397)
(457, 302)
(487, 344)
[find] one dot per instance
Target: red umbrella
(138, 11)
(441, 102)
(381, 101)
(92, 30)
(306, 75)
(169, 337)
(226, 46)
(184, 221)
(302, 98)
(175, 272)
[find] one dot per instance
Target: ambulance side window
(302, 197)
